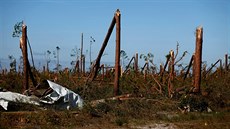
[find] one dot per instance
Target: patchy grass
(145, 107)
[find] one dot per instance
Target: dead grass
(147, 105)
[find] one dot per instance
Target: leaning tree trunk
(96, 66)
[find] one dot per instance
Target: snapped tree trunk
(171, 75)
(198, 59)
(96, 66)
(23, 46)
(117, 55)
(26, 64)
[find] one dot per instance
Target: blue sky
(153, 26)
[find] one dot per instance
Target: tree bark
(166, 64)
(189, 66)
(81, 63)
(117, 55)
(23, 46)
(171, 75)
(96, 66)
(127, 67)
(136, 63)
(198, 59)
(226, 62)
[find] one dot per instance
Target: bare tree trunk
(171, 75)
(221, 67)
(31, 52)
(83, 65)
(198, 59)
(213, 65)
(172, 65)
(31, 74)
(117, 56)
(81, 58)
(96, 66)
(226, 62)
(166, 64)
(23, 46)
(136, 63)
(189, 66)
(26, 65)
(194, 70)
(76, 68)
(127, 67)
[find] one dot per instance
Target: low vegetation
(142, 104)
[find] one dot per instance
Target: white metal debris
(69, 99)
(6, 97)
(61, 97)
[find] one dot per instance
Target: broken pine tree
(198, 59)
(95, 68)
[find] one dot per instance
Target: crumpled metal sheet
(69, 99)
(6, 97)
(61, 97)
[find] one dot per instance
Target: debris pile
(55, 96)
